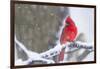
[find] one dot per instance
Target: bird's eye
(67, 23)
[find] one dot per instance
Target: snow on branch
(32, 56)
(44, 56)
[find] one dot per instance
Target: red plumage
(68, 34)
(69, 31)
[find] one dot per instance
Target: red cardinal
(68, 34)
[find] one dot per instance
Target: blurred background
(36, 26)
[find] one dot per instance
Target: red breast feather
(69, 31)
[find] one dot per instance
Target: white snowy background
(84, 19)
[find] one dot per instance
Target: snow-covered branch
(32, 56)
(45, 56)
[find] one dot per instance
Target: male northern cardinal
(68, 34)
